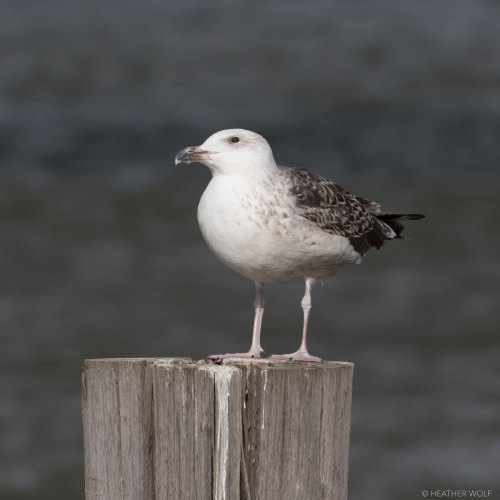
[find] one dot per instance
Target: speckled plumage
(338, 212)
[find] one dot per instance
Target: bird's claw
(243, 355)
(297, 356)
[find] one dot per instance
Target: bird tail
(393, 221)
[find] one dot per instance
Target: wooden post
(168, 429)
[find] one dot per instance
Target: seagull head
(232, 151)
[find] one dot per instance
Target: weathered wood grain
(184, 431)
(101, 430)
(175, 429)
(296, 428)
(228, 436)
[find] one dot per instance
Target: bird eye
(235, 139)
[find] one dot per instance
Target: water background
(100, 254)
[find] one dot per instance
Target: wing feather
(336, 211)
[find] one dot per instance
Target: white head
(232, 151)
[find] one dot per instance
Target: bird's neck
(252, 171)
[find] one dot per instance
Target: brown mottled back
(338, 212)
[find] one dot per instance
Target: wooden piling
(172, 429)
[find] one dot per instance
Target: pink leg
(302, 354)
(255, 348)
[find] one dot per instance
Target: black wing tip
(387, 216)
(394, 221)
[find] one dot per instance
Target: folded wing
(336, 211)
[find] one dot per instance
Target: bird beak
(191, 154)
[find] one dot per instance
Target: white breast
(253, 230)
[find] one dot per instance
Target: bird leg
(255, 348)
(302, 354)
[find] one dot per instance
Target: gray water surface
(100, 254)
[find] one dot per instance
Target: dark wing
(336, 211)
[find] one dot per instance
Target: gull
(271, 223)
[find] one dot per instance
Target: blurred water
(110, 87)
(100, 254)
